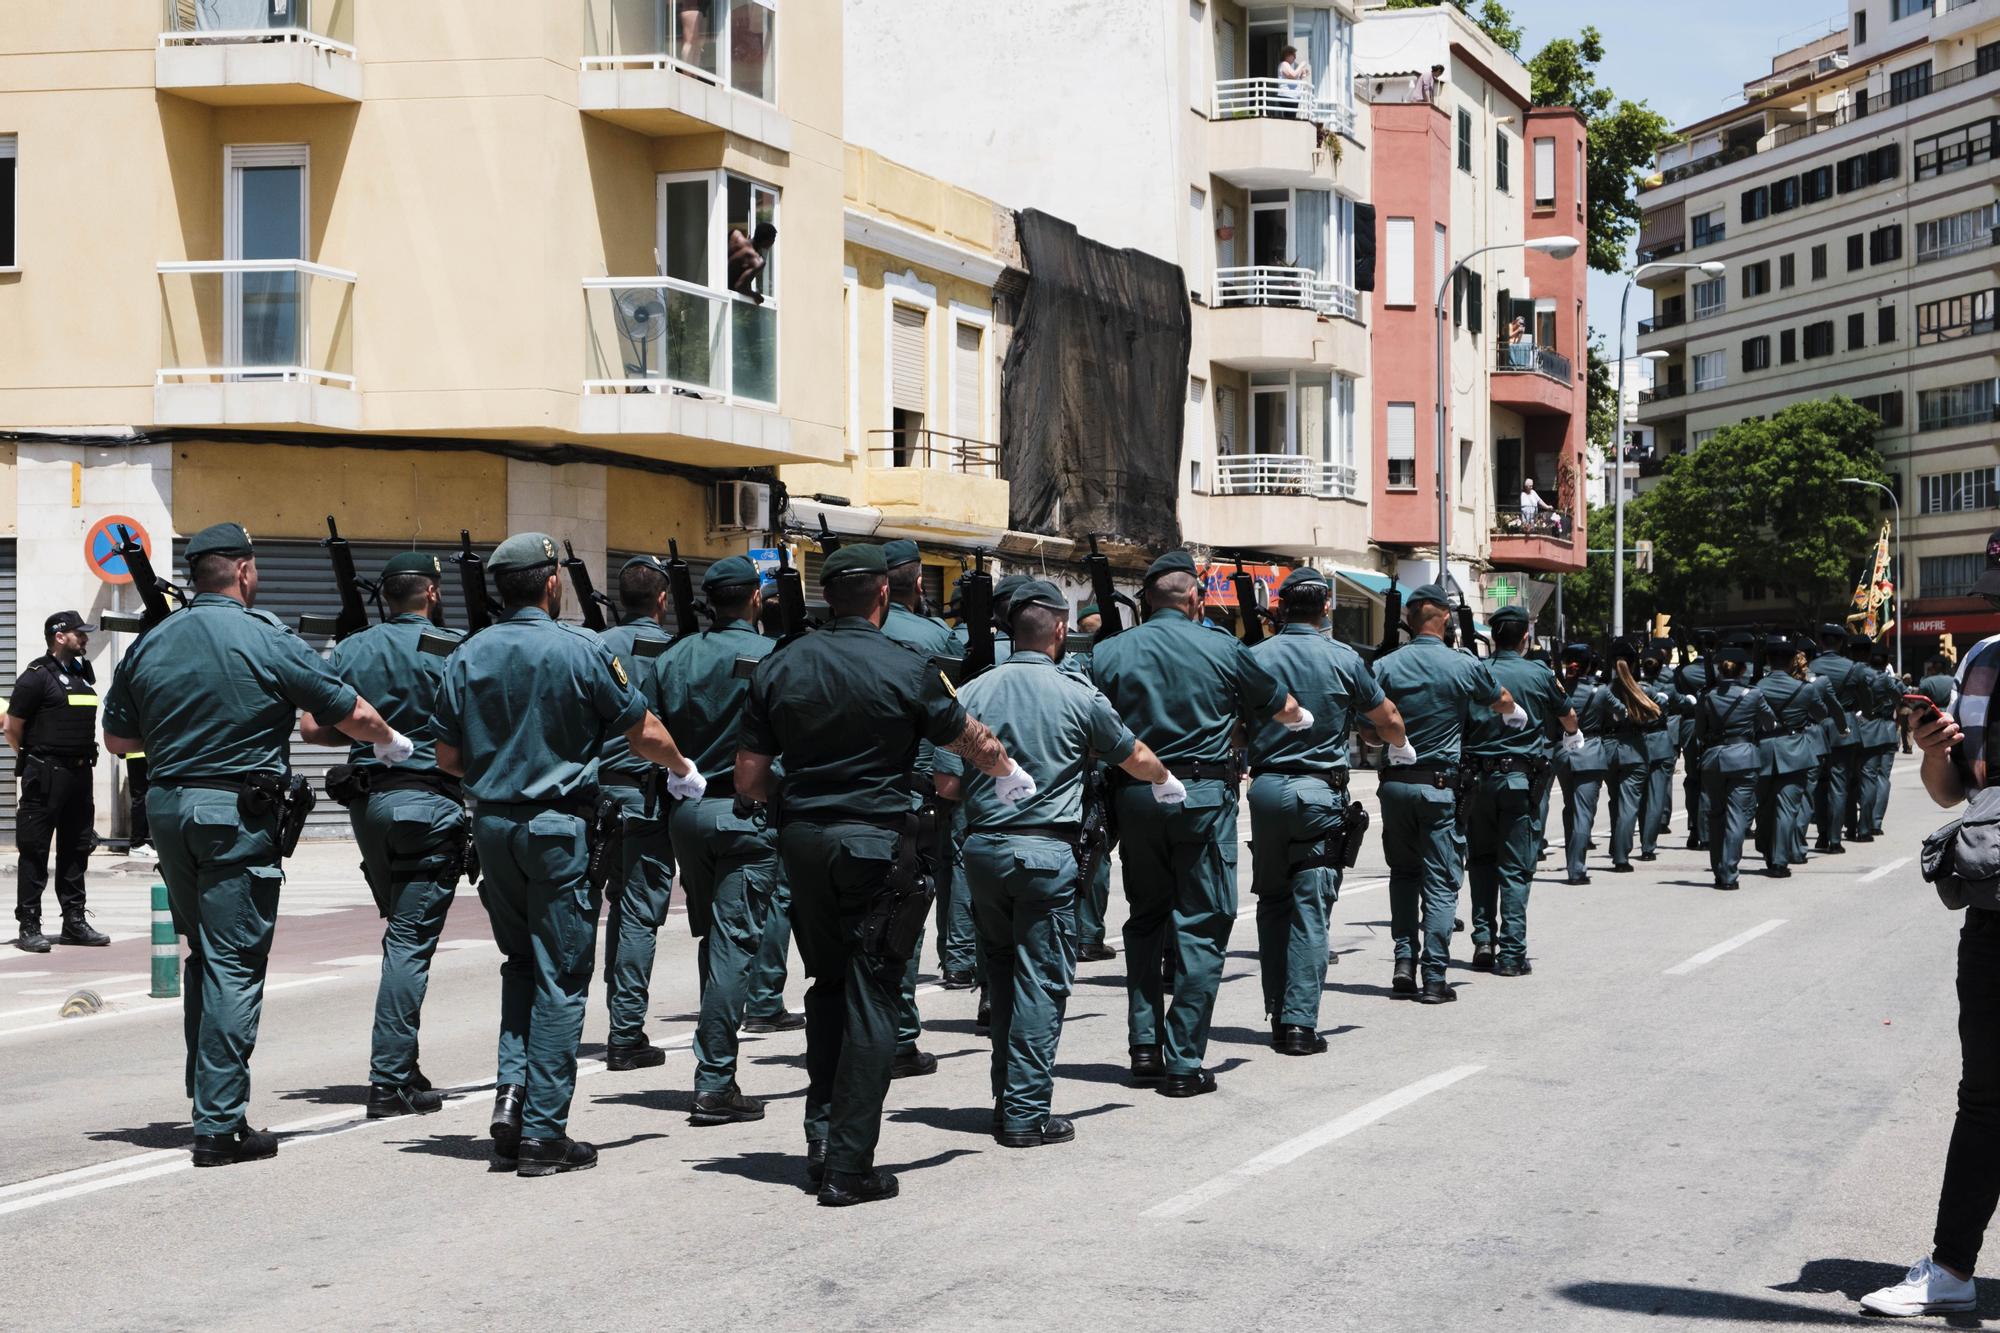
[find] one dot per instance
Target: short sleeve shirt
(1181, 688)
(388, 668)
(643, 672)
(1536, 689)
(1435, 688)
(702, 697)
(1051, 723)
(1330, 681)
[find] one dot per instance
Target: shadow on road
(1855, 1278)
(1095, 1073)
(1654, 1299)
(159, 1134)
(333, 1094)
(763, 1168)
(951, 1119)
(465, 1147)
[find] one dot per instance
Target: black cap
(1578, 652)
(63, 622)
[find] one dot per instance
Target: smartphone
(1924, 703)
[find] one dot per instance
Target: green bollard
(166, 949)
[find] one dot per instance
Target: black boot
(1187, 1085)
(1149, 1064)
(1053, 1130)
(385, 1100)
(508, 1099)
(552, 1157)
(1404, 982)
(1297, 1039)
(912, 1064)
(1482, 958)
(725, 1107)
(76, 930)
(842, 1189)
(782, 1021)
(619, 1059)
(245, 1145)
(1438, 992)
(815, 1161)
(31, 939)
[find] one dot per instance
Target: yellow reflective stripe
(83, 700)
(135, 754)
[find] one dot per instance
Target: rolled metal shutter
(909, 359)
(968, 351)
(615, 561)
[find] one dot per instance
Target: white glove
(1404, 753)
(687, 785)
(1572, 741)
(1305, 720)
(1015, 785)
(397, 749)
(1171, 792)
(1515, 720)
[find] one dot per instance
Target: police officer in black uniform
(52, 727)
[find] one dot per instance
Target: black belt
(61, 760)
(1066, 833)
(1506, 764)
(438, 783)
(1335, 778)
(1427, 775)
(238, 785)
(1203, 772)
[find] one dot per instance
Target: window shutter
(1364, 247)
(1458, 277)
(969, 420)
(1475, 304)
(1402, 421)
(907, 360)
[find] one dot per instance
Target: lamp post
(1895, 546)
(1711, 269)
(1555, 247)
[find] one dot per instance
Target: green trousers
(1426, 856)
(1873, 804)
(1697, 798)
(1732, 800)
(1293, 819)
(1782, 810)
(223, 877)
(1023, 898)
(1180, 881)
(410, 841)
(1092, 901)
(958, 935)
(837, 872)
(1503, 837)
(1579, 795)
(1627, 785)
(536, 888)
(764, 993)
(635, 908)
(729, 870)
(1657, 805)
(1833, 792)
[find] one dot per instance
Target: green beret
(413, 562)
(1173, 562)
(219, 539)
(1507, 614)
(1303, 577)
(1010, 585)
(731, 572)
(1087, 610)
(853, 558)
(900, 552)
(1426, 592)
(644, 562)
(1037, 592)
(523, 550)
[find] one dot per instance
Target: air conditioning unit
(742, 506)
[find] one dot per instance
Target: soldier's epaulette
(647, 649)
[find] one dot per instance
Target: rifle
(591, 601)
(1468, 637)
(1252, 615)
(1392, 621)
(1109, 599)
(828, 541)
(976, 615)
(791, 597)
(680, 585)
(472, 583)
(353, 617)
(1093, 835)
(153, 590)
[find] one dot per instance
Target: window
(1708, 229)
(1987, 59)
(1887, 407)
(1756, 354)
(1788, 271)
(1702, 437)
(1199, 84)
(722, 312)
(1854, 251)
(1958, 234)
(1545, 172)
(1857, 331)
(1885, 245)
(1902, 9)
(1885, 324)
(968, 388)
(1906, 85)
(1860, 27)
(1818, 263)
(1816, 185)
(1865, 169)
(10, 256)
(1949, 575)
(1955, 492)
(1819, 339)
(1784, 195)
(1582, 178)
(1199, 248)
(1954, 150)
(1955, 317)
(1465, 141)
(1400, 241)
(1402, 446)
(1757, 278)
(1711, 297)
(1711, 371)
(1756, 203)
(1502, 163)
(1958, 405)
(1788, 347)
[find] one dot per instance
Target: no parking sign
(100, 548)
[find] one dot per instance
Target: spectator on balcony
(1520, 346)
(748, 256)
(1294, 81)
(1426, 87)
(1531, 504)
(693, 16)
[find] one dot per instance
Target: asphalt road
(1702, 1110)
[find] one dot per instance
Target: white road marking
(468, 944)
(1733, 942)
(165, 1007)
(23, 976)
(1293, 1149)
(352, 960)
(1881, 872)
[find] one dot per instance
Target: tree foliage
(1603, 395)
(1587, 593)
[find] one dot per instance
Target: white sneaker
(1925, 1289)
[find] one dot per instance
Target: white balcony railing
(1292, 288)
(226, 22)
(1284, 474)
(1282, 99)
(256, 319)
(660, 334)
(730, 43)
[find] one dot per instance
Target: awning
(1372, 586)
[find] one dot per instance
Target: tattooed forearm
(979, 747)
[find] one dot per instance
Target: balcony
(1278, 503)
(256, 342)
(666, 70)
(1284, 474)
(1660, 323)
(943, 484)
(1285, 318)
(1534, 381)
(258, 52)
(1660, 393)
(1544, 540)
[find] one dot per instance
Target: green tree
(1587, 593)
(1762, 501)
(1603, 395)
(1493, 17)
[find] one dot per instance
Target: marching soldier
(210, 693)
(1656, 808)
(1298, 804)
(52, 727)
(1581, 769)
(1786, 757)
(1181, 690)
(1878, 743)
(409, 822)
(844, 708)
(1691, 682)
(1436, 689)
(637, 896)
(1092, 899)
(521, 718)
(1626, 750)
(1842, 739)
(1021, 857)
(728, 859)
(1729, 721)
(1508, 798)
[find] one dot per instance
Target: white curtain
(1315, 213)
(1316, 26)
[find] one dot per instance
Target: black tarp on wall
(1096, 383)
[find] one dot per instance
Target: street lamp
(1711, 269)
(1555, 247)
(1895, 545)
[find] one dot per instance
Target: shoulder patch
(618, 670)
(945, 681)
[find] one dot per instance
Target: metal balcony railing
(1281, 99)
(731, 43)
(1526, 358)
(659, 334)
(256, 319)
(1661, 392)
(933, 449)
(1542, 521)
(1284, 474)
(325, 24)
(1292, 288)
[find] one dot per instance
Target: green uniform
(1656, 804)
(845, 708)
(1785, 764)
(729, 862)
(1435, 688)
(1021, 861)
(1298, 806)
(1691, 682)
(1181, 689)
(527, 703)
(1581, 771)
(1625, 776)
(635, 901)
(1837, 776)
(1728, 723)
(212, 692)
(1092, 899)
(1878, 750)
(1509, 802)
(1938, 690)
(411, 828)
